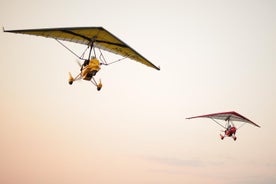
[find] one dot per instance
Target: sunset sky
(215, 56)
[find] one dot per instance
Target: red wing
(227, 116)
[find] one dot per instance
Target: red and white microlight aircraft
(226, 120)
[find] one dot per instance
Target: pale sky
(214, 56)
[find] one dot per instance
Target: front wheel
(99, 88)
(100, 85)
(71, 79)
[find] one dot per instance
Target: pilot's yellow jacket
(94, 65)
(91, 69)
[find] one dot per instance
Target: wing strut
(70, 49)
(102, 58)
(218, 123)
(241, 126)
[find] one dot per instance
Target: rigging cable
(82, 56)
(218, 123)
(104, 61)
(71, 50)
(241, 125)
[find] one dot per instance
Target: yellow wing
(100, 37)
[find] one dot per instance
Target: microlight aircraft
(227, 122)
(94, 38)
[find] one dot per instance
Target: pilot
(85, 63)
(94, 65)
(90, 68)
(229, 127)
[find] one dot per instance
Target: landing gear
(88, 77)
(99, 88)
(71, 79)
(233, 136)
(98, 85)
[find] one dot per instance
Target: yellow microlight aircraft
(92, 37)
